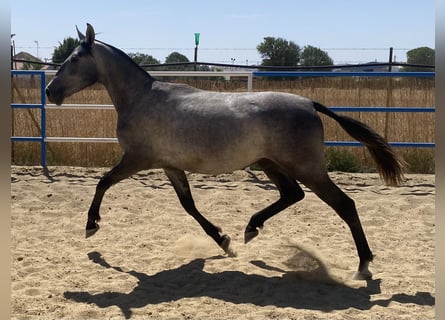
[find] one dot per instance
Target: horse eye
(74, 58)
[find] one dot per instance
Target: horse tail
(389, 165)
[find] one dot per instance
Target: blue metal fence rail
(342, 74)
(42, 105)
(382, 109)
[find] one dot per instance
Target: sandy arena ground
(150, 260)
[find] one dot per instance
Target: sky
(349, 31)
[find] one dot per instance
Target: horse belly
(217, 159)
(212, 152)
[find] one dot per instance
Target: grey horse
(180, 128)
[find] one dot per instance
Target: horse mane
(124, 55)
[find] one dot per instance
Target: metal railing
(41, 106)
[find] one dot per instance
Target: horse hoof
(225, 245)
(363, 272)
(249, 235)
(362, 276)
(91, 232)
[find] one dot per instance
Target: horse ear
(80, 34)
(90, 35)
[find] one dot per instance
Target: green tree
(279, 52)
(64, 49)
(176, 57)
(312, 56)
(142, 58)
(421, 55)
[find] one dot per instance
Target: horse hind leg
(290, 193)
(330, 193)
(182, 188)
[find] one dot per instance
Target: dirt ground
(150, 260)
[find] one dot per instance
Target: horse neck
(124, 80)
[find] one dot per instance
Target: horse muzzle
(53, 96)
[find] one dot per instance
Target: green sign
(196, 38)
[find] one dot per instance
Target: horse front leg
(182, 188)
(125, 168)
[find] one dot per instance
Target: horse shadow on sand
(313, 290)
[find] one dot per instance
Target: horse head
(78, 71)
